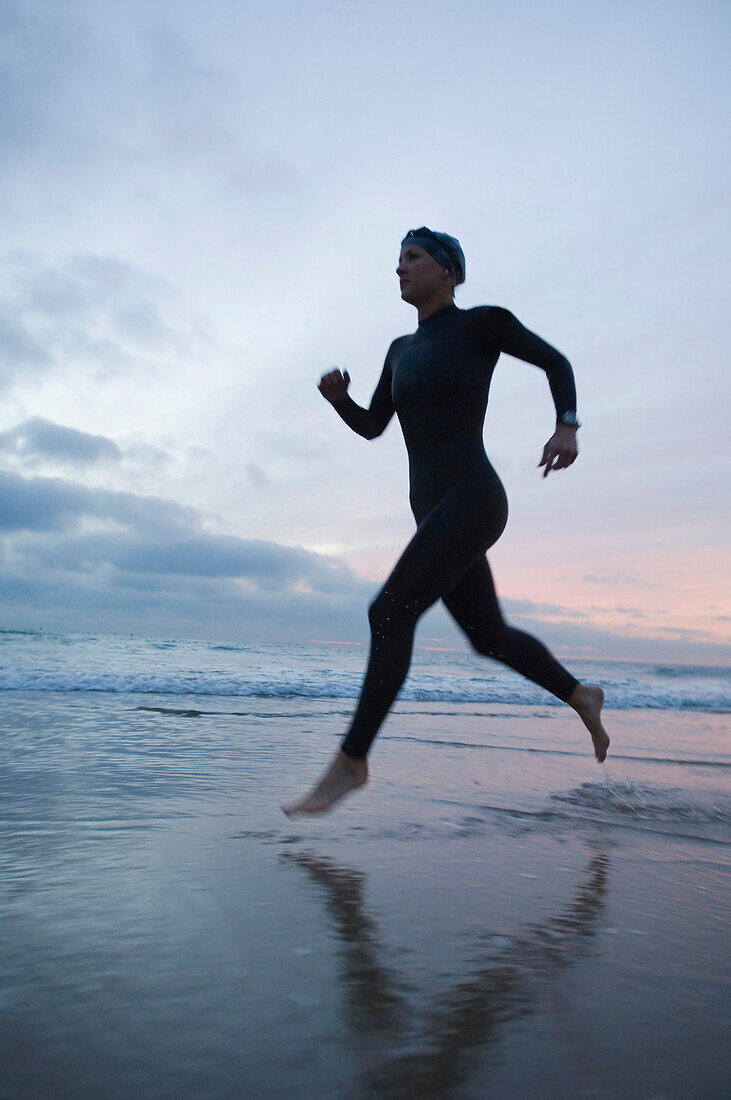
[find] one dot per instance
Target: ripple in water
(666, 809)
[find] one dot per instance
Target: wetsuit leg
(449, 540)
(473, 604)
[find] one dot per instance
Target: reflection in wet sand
(375, 1000)
(507, 983)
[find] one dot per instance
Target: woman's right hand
(334, 386)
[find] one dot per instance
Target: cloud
(166, 119)
(618, 579)
(256, 476)
(571, 641)
(40, 505)
(90, 311)
(101, 291)
(36, 440)
(44, 446)
(89, 558)
(160, 606)
(262, 564)
(182, 109)
(62, 526)
(685, 632)
(18, 351)
(53, 504)
(41, 60)
(550, 610)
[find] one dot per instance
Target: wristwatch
(569, 419)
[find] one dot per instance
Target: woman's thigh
(450, 539)
(473, 602)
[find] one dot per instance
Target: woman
(437, 381)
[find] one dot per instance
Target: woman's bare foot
(587, 700)
(343, 776)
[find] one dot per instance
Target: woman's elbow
(559, 365)
(373, 428)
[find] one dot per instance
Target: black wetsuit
(437, 381)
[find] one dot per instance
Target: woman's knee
(482, 646)
(489, 643)
(387, 613)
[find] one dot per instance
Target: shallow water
(495, 914)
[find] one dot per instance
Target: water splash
(671, 810)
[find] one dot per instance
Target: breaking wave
(707, 694)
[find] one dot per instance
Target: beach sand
(493, 916)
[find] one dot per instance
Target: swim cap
(446, 250)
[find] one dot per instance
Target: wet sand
(166, 932)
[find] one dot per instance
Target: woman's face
(420, 276)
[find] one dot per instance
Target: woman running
(437, 382)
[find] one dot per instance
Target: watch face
(568, 418)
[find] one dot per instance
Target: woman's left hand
(561, 450)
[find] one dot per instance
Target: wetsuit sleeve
(372, 421)
(515, 339)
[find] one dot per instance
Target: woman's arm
(369, 422)
(515, 339)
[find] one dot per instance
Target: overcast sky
(202, 212)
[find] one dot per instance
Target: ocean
(40, 661)
(467, 925)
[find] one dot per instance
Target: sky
(202, 209)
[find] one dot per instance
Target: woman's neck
(434, 304)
